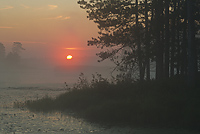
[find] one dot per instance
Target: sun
(69, 57)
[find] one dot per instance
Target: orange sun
(69, 57)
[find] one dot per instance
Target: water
(20, 121)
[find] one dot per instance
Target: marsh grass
(164, 103)
(18, 104)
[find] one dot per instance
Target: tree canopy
(139, 32)
(12, 57)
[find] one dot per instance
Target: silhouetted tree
(14, 56)
(140, 31)
(2, 55)
(147, 39)
(167, 36)
(17, 47)
(2, 52)
(157, 27)
(118, 32)
(192, 63)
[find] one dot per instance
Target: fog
(35, 73)
(19, 70)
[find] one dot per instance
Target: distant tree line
(137, 33)
(12, 57)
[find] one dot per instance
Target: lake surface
(20, 121)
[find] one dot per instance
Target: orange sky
(46, 28)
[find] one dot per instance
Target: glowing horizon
(70, 48)
(44, 27)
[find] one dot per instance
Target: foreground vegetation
(167, 103)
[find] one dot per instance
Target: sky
(46, 27)
(49, 30)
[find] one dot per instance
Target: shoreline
(25, 119)
(149, 104)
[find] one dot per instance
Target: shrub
(162, 103)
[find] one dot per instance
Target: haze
(49, 30)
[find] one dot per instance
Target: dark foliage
(135, 32)
(156, 103)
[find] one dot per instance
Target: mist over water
(35, 72)
(25, 66)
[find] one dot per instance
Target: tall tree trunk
(178, 39)
(178, 53)
(166, 65)
(192, 63)
(184, 50)
(139, 44)
(173, 43)
(147, 41)
(159, 46)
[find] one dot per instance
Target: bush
(45, 104)
(149, 103)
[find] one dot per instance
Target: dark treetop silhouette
(136, 32)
